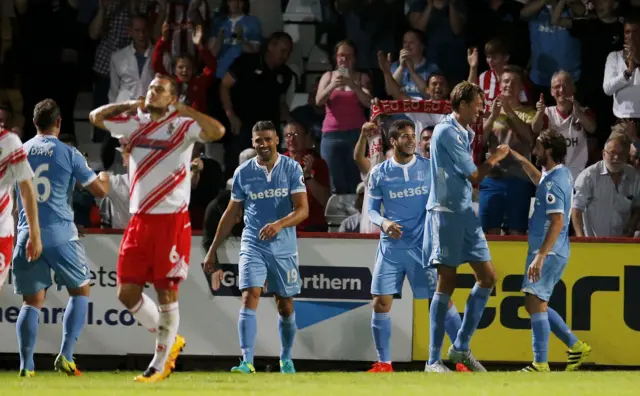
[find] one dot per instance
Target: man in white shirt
(130, 70)
(569, 119)
(621, 75)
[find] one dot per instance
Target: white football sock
(146, 312)
(166, 334)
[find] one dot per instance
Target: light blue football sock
(560, 328)
(72, 324)
(27, 332)
(247, 330)
(472, 314)
(381, 329)
(437, 319)
(540, 329)
(287, 329)
(452, 323)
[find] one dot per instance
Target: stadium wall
(599, 296)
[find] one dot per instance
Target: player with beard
(160, 138)
(271, 190)
(401, 186)
(548, 252)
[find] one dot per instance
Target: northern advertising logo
(326, 291)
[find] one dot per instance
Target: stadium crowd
(567, 65)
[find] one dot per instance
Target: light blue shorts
(552, 271)
(393, 264)
(452, 239)
(281, 273)
(68, 261)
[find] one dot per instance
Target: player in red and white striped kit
(157, 242)
(14, 168)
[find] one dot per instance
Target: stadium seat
(339, 207)
(304, 37)
(303, 11)
(299, 99)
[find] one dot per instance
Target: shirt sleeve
(582, 190)
(375, 192)
(296, 180)
(450, 142)
(237, 193)
(81, 170)
(121, 126)
(193, 130)
(254, 31)
(554, 199)
(18, 163)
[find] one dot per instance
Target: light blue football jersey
(267, 198)
(404, 191)
(553, 195)
(57, 167)
(451, 165)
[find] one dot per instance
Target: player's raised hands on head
(394, 230)
(269, 231)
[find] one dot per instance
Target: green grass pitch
(329, 384)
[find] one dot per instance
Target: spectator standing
(254, 89)
(345, 93)
(569, 119)
(497, 58)
(233, 33)
(553, 48)
(606, 201)
(412, 79)
(108, 22)
(182, 16)
(316, 175)
(505, 195)
(48, 43)
(193, 89)
(443, 23)
(130, 72)
(598, 37)
(621, 75)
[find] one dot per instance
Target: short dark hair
(297, 122)
(279, 36)
(46, 114)
(554, 141)
(398, 126)
(496, 46)
(464, 92)
(513, 69)
(436, 74)
(173, 83)
(262, 126)
(419, 34)
(139, 17)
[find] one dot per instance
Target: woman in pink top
(345, 94)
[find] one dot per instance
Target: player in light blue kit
(453, 234)
(401, 185)
(272, 192)
(57, 169)
(548, 252)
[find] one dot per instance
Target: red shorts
(155, 249)
(6, 248)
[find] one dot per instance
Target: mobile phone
(343, 71)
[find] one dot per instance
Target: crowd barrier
(599, 296)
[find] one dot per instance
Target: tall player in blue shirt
(57, 169)
(272, 192)
(548, 252)
(453, 234)
(401, 185)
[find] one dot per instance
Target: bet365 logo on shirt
(409, 192)
(270, 193)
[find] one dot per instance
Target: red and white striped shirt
(14, 167)
(160, 160)
(490, 84)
